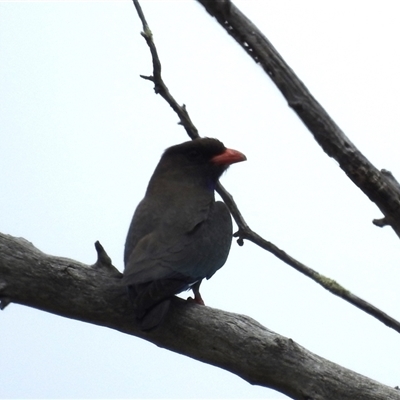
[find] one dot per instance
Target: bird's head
(202, 160)
(202, 157)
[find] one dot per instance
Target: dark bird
(179, 234)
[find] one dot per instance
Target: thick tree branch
(233, 342)
(381, 189)
(244, 230)
(230, 341)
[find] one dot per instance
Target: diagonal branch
(380, 186)
(244, 231)
(159, 85)
(230, 341)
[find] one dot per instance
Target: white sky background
(81, 134)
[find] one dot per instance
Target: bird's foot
(197, 296)
(197, 300)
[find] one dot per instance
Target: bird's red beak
(228, 157)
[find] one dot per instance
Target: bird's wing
(191, 249)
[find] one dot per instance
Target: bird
(179, 234)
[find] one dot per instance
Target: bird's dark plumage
(179, 234)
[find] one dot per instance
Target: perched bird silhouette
(179, 234)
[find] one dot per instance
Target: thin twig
(159, 85)
(244, 231)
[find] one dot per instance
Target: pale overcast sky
(82, 132)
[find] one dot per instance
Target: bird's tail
(155, 316)
(152, 300)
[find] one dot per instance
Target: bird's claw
(196, 300)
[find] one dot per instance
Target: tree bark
(380, 186)
(230, 341)
(225, 10)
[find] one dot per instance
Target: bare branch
(327, 283)
(230, 341)
(159, 86)
(380, 188)
(244, 231)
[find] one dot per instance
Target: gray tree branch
(230, 341)
(380, 186)
(244, 231)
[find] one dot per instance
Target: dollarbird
(179, 234)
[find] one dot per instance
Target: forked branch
(94, 294)
(224, 10)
